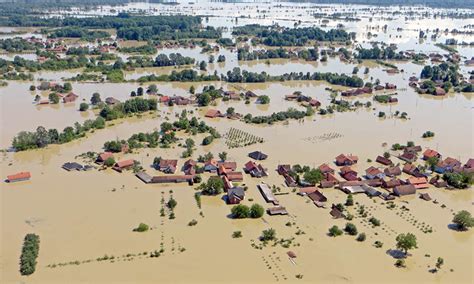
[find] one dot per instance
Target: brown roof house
(213, 113)
(429, 153)
(384, 161)
(373, 173)
(393, 171)
(343, 160)
(69, 98)
(103, 157)
(123, 165)
(404, 190)
(167, 166)
(325, 168)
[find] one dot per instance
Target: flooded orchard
(88, 220)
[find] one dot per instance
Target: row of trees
(29, 254)
(274, 36)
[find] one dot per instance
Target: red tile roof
(19, 176)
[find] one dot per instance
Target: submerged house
(255, 170)
(257, 155)
(21, 176)
(336, 213)
(412, 170)
(172, 179)
(235, 195)
(373, 173)
(72, 166)
(189, 167)
(408, 157)
(213, 113)
(402, 190)
(325, 169)
(384, 161)
(167, 166)
(69, 98)
(317, 196)
(418, 182)
(391, 183)
(277, 210)
(267, 193)
(392, 171)
(103, 157)
(429, 153)
(210, 166)
(447, 165)
(348, 174)
(123, 165)
(343, 160)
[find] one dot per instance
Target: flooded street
(85, 219)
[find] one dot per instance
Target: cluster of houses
(387, 176)
(307, 100)
(367, 90)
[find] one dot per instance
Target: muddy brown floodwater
(82, 216)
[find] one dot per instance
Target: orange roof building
(21, 176)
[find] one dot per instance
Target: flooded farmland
(88, 220)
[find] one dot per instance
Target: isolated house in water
(123, 165)
(69, 98)
(21, 176)
(257, 155)
(213, 113)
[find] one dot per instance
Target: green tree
(350, 200)
(109, 162)
(406, 242)
(53, 98)
(313, 176)
(240, 211)
(431, 162)
(351, 229)
(334, 231)
(213, 186)
(152, 89)
(223, 156)
(142, 227)
(83, 107)
(463, 220)
(95, 99)
(172, 203)
(203, 66)
(256, 211)
(268, 235)
(264, 99)
(192, 89)
(204, 99)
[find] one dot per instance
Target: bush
(463, 220)
(400, 263)
(172, 203)
(268, 235)
(83, 107)
(351, 229)
(334, 231)
(240, 211)
(374, 221)
(350, 200)
(237, 234)
(256, 211)
(142, 227)
(109, 162)
(29, 253)
(193, 222)
(361, 237)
